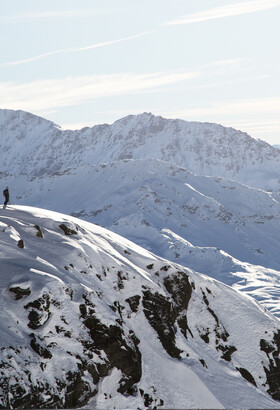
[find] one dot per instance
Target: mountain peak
(24, 117)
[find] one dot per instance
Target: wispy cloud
(226, 11)
(34, 58)
(244, 107)
(109, 43)
(49, 94)
(74, 50)
(244, 114)
(42, 95)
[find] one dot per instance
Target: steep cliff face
(89, 317)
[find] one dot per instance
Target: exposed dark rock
(119, 308)
(60, 329)
(179, 287)
(162, 315)
(266, 347)
(203, 363)
(165, 268)
(205, 336)
(205, 298)
(72, 392)
(68, 231)
(83, 310)
(272, 349)
(183, 324)
(227, 351)
(121, 350)
(39, 348)
(220, 332)
(40, 312)
(133, 302)
(39, 233)
(214, 315)
(69, 292)
(90, 306)
(150, 266)
(206, 301)
(149, 401)
(77, 390)
(42, 303)
(121, 278)
(20, 244)
(34, 320)
(247, 375)
(20, 292)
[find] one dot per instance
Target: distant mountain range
(36, 147)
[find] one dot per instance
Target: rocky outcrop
(272, 369)
(121, 349)
(68, 231)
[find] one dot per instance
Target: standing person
(7, 196)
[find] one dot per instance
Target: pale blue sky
(86, 62)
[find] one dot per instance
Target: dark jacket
(6, 194)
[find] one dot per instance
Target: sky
(87, 62)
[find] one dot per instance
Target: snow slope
(88, 317)
(216, 226)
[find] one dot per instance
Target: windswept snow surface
(179, 338)
(220, 227)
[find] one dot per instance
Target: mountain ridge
(91, 318)
(203, 148)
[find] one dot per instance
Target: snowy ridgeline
(36, 147)
(90, 318)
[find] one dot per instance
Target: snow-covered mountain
(89, 318)
(174, 187)
(35, 147)
(219, 227)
